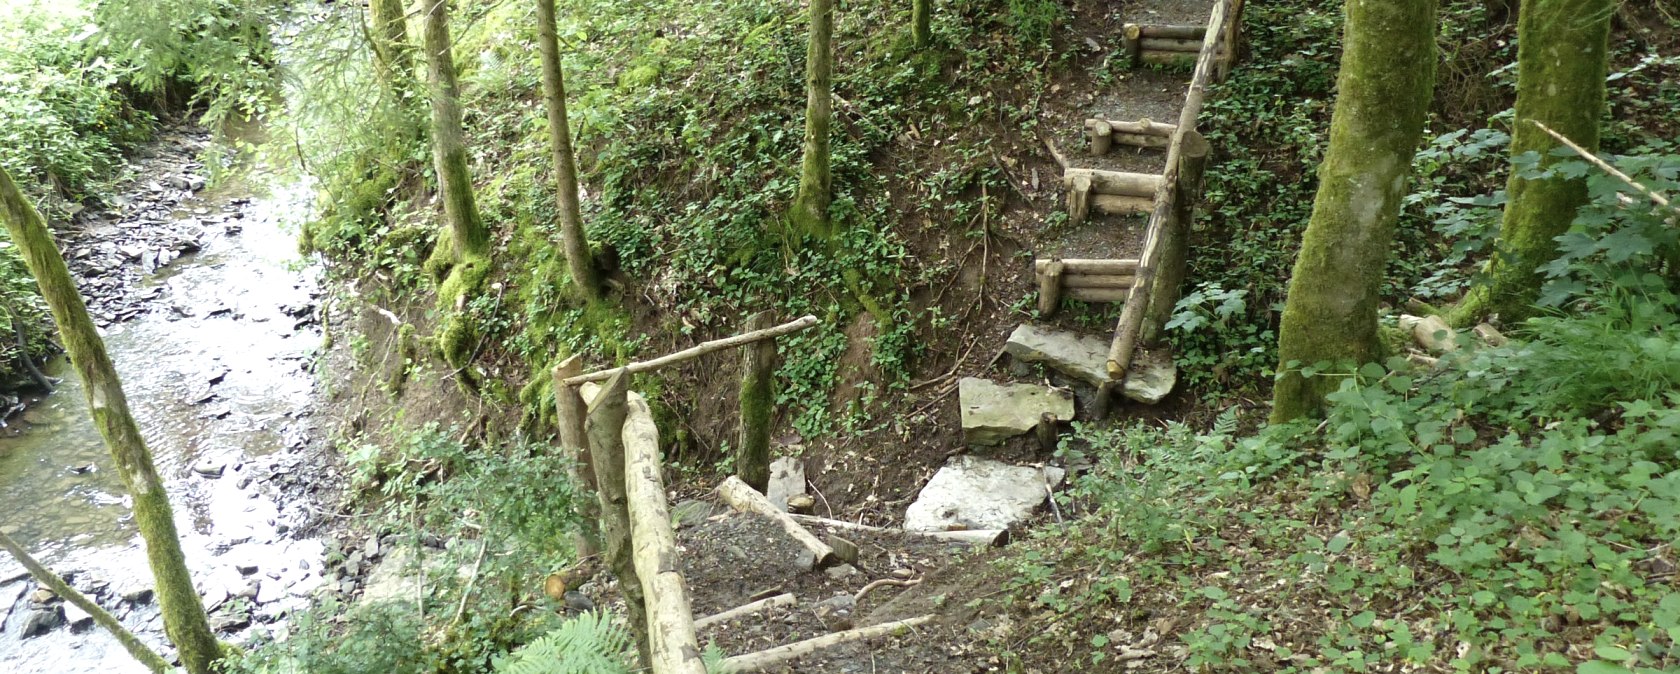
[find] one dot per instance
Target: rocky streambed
(212, 321)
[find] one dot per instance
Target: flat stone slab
(975, 493)
(1085, 358)
(993, 412)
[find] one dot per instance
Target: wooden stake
(758, 365)
(1101, 135)
(697, 350)
(1049, 288)
(765, 659)
(673, 647)
(746, 610)
(1145, 126)
(1132, 38)
(605, 428)
(571, 410)
(743, 498)
(1046, 432)
(1079, 198)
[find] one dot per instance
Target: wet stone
(76, 618)
(209, 468)
(42, 621)
(993, 412)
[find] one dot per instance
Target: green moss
(438, 265)
(457, 335)
(403, 357)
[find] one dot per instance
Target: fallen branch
(673, 647)
(754, 662)
(745, 499)
(969, 536)
(784, 599)
(883, 583)
(130, 643)
(696, 351)
(1649, 193)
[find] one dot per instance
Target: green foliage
(591, 643)
(1519, 501)
(331, 638)
(63, 123)
(216, 50)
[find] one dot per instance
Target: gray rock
(787, 479)
(836, 612)
(228, 623)
(1085, 358)
(689, 513)
(137, 595)
(41, 621)
(209, 468)
(974, 493)
(77, 618)
(395, 579)
(993, 412)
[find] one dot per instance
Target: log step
(1083, 280)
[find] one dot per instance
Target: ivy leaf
(1613, 653)
(1601, 667)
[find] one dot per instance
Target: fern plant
(590, 643)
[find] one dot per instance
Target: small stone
(846, 550)
(210, 468)
(77, 618)
(801, 503)
(841, 571)
(245, 569)
(227, 623)
(372, 548)
(576, 601)
(138, 596)
(974, 493)
(836, 612)
(689, 513)
(42, 596)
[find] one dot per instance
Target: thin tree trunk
(183, 613)
(1562, 62)
(390, 40)
(565, 164)
(606, 451)
(758, 364)
(1384, 88)
(45, 576)
(810, 208)
(921, 22)
(449, 149)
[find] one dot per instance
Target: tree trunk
(810, 209)
(572, 240)
(1562, 62)
(1386, 81)
(45, 576)
(183, 613)
(758, 365)
(449, 149)
(393, 58)
(921, 22)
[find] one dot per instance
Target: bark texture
(183, 612)
(921, 22)
(390, 40)
(449, 148)
(575, 246)
(45, 576)
(1562, 62)
(810, 209)
(758, 364)
(606, 445)
(1384, 88)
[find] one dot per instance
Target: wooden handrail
(695, 351)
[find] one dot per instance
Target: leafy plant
(590, 643)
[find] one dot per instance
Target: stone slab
(1085, 358)
(993, 412)
(974, 493)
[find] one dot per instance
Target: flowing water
(217, 369)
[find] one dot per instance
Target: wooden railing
(1155, 288)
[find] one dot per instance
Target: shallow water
(217, 373)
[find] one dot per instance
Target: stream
(211, 318)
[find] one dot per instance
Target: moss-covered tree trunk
(183, 613)
(1562, 63)
(449, 148)
(1383, 92)
(921, 22)
(810, 209)
(758, 405)
(393, 57)
(576, 247)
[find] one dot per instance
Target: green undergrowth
(1268, 125)
(1514, 511)
(483, 525)
(689, 138)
